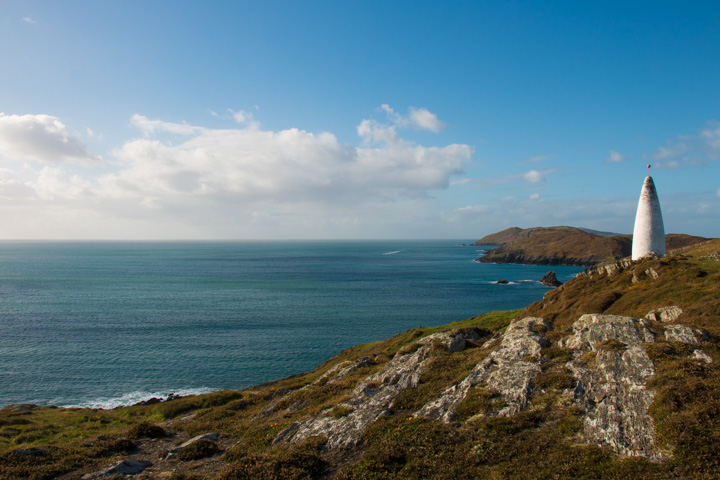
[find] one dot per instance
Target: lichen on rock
(665, 314)
(508, 370)
(371, 399)
(611, 389)
(681, 333)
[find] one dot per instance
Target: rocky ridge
(609, 365)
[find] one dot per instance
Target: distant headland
(564, 245)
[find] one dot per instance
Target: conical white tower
(649, 232)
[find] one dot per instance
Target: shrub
(121, 445)
(146, 430)
(201, 449)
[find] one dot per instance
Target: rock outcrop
(611, 390)
(610, 366)
(550, 280)
(665, 314)
(374, 396)
(508, 370)
(204, 436)
(123, 467)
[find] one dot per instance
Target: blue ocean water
(108, 323)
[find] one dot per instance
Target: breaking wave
(136, 397)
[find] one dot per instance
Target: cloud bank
(226, 182)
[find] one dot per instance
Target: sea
(105, 324)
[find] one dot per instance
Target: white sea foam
(136, 397)
(392, 253)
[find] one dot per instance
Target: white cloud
(286, 166)
(690, 150)
(373, 131)
(534, 196)
(462, 181)
(533, 176)
(41, 138)
(29, 20)
(425, 120)
(538, 158)
(149, 127)
(615, 157)
(710, 137)
(241, 116)
(54, 184)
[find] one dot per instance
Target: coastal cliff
(614, 374)
(565, 246)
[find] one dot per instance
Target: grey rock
(333, 375)
(550, 280)
(371, 399)
(20, 407)
(509, 370)
(340, 370)
(124, 467)
(203, 436)
(611, 390)
(665, 314)
(681, 333)
(593, 328)
(453, 341)
(651, 272)
(614, 400)
(702, 356)
(612, 268)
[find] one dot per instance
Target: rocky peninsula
(565, 246)
(614, 374)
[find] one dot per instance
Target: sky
(265, 119)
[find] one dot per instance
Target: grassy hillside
(544, 440)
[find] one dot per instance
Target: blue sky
(354, 119)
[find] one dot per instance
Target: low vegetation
(542, 442)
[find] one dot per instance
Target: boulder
(204, 436)
(683, 334)
(123, 467)
(453, 341)
(550, 280)
(664, 314)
